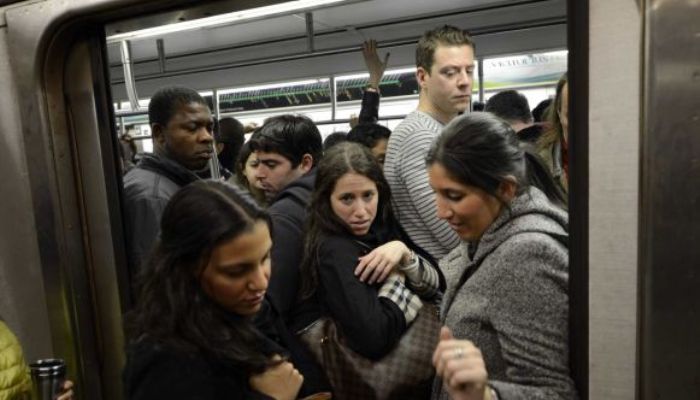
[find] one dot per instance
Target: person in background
(333, 139)
(478, 106)
(15, 380)
(192, 333)
(246, 165)
(358, 267)
(506, 307)
(182, 128)
(445, 68)
(229, 139)
(539, 113)
(128, 151)
(513, 107)
(287, 147)
(553, 145)
(374, 136)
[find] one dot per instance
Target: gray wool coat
(515, 305)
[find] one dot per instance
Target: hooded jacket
(14, 374)
(508, 294)
(288, 211)
(147, 189)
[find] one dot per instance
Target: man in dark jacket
(288, 148)
(181, 124)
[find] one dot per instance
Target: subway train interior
(74, 75)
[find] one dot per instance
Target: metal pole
(161, 55)
(127, 62)
(481, 79)
(309, 31)
(215, 100)
(334, 104)
(214, 161)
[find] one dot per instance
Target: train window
(534, 75)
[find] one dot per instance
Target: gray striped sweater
(413, 199)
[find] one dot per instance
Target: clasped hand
(378, 264)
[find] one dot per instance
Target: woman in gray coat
(505, 309)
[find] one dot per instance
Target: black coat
(156, 371)
(288, 212)
(371, 325)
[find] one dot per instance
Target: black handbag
(405, 373)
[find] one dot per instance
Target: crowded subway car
(351, 199)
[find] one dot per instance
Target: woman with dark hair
(191, 333)
(505, 309)
(553, 145)
(246, 164)
(358, 267)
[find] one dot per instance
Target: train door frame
(85, 260)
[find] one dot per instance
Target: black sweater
(156, 371)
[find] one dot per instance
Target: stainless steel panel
(614, 114)
(55, 227)
(22, 299)
(98, 193)
(670, 203)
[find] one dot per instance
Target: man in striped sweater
(445, 68)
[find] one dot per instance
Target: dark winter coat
(147, 189)
(288, 211)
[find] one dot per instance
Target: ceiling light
(225, 19)
(273, 86)
(341, 78)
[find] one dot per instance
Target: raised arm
(369, 113)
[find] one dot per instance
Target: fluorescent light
(353, 76)
(272, 86)
(341, 78)
(400, 71)
(223, 19)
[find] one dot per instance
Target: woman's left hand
(376, 265)
(462, 368)
(66, 391)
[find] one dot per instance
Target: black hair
(540, 111)
(478, 105)
(230, 133)
(368, 134)
(343, 158)
(241, 160)
(481, 150)
(167, 99)
(333, 139)
(172, 307)
(291, 136)
(510, 105)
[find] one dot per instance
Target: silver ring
(459, 353)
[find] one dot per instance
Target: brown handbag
(405, 373)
